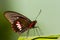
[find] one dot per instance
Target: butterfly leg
(34, 31)
(27, 32)
(37, 32)
(40, 31)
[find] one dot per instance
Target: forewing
(12, 16)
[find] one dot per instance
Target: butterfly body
(32, 25)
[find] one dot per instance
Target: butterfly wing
(12, 16)
(15, 18)
(22, 25)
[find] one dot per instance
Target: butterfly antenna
(38, 14)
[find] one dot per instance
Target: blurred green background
(48, 21)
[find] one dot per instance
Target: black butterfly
(19, 22)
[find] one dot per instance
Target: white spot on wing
(19, 25)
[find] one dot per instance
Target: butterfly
(19, 22)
